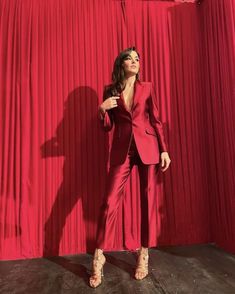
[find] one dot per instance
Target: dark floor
(198, 269)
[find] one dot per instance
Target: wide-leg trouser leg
(148, 194)
(117, 177)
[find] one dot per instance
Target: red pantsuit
(138, 140)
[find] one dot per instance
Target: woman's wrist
(102, 111)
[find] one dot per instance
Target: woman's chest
(128, 98)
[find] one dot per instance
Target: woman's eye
(137, 59)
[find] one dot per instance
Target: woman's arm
(155, 121)
(105, 113)
(106, 119)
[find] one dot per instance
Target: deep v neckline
(133, 98)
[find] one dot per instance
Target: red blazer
(142, 121)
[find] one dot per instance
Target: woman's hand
(109, 103)
(165, 161)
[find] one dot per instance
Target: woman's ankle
(143, 249)
(98, 251)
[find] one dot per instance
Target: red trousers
(117, 177)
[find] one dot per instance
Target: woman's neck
(130, 81)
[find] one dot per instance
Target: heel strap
(142, 261)
(142, 252)
(98, 263)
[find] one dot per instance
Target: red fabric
(142, 120)
(218, 111)
(55, 58)
(116, 180)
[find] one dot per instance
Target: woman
(138, 139)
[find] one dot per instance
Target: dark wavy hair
(118, 74)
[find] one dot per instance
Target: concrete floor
(199, 269)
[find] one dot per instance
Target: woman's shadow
(81, 141)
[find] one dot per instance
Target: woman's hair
(118, 74)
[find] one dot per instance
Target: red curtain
(55, 58)
(218, 110)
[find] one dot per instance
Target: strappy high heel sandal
(97, 270)
(142, 264)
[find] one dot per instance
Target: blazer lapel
(137, 93)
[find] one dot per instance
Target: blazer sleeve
(106, 119)
(155, 121)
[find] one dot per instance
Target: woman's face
(131, 64)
